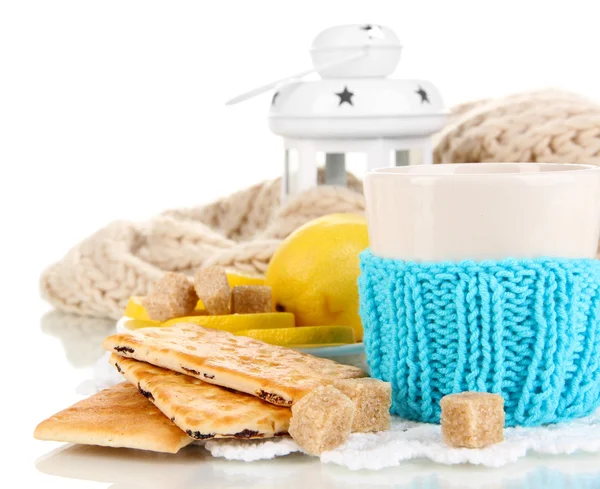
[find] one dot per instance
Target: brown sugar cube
(171, 296)
(372, 399)
(212, 287)
(472, 419)
(322, 420)
(251, 299)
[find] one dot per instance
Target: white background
(114, 109)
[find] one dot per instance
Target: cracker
(275, 374)
(322, 420)
(212, 287)
(204, 410)
(115, 417)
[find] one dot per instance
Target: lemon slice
(235, 279)
(240, 322)
(136, 310)
(304, 336)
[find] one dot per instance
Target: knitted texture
(528, 330)
(242, 231)
(549, 126)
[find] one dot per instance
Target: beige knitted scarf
(241, 232)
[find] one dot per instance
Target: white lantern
(353, 118)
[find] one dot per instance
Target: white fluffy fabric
(252, 450)
(407, 440)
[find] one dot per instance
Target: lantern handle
(268, 86)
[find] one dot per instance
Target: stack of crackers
(186, 383)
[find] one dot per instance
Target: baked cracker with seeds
(204, 410)
(115, 417)
(275, 374)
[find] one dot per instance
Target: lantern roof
(354, 99)
(357, 108)
(376, 48)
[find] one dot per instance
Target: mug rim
(484, 170)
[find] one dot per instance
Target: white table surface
(47, 360)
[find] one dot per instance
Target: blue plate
(348, 354)
(335, 351)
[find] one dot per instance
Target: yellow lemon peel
(311, 336)
(239, 322)
(314, 272)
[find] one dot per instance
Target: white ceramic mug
(481, 211)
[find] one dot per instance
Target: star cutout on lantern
(274, 99)
(423, 94)
(345, 96)
(374, 31)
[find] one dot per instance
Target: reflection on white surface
(191, 467)
(424, 474)
(81, 336)
(194, 467)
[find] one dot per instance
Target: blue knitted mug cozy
(528, 330)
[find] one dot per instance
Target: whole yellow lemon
(314, 273)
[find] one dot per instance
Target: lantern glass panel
(412, 156)
(335, 169)
(336, 166)
(402, 157)
(356, 163)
